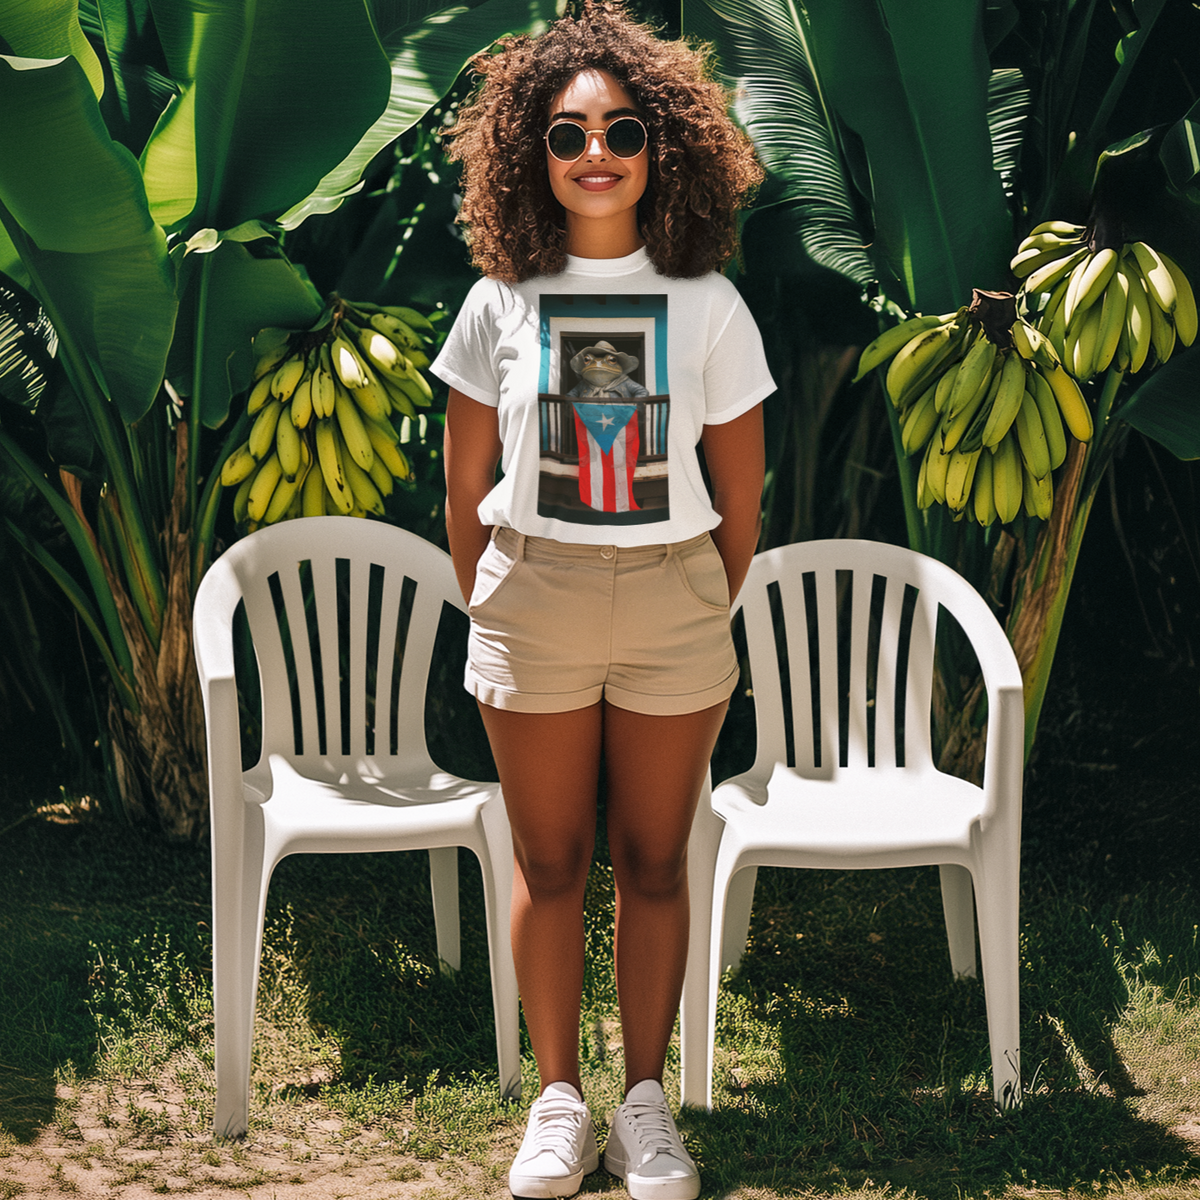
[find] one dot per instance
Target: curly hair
(702, 168)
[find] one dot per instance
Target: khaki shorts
(558, 626)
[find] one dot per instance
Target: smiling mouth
(598, 180)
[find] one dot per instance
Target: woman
(601, 183)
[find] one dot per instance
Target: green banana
(890, 341)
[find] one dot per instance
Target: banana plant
(151, 154)
(908, 147)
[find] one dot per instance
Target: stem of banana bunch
(1044, 585)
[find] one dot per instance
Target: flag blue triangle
(605, 421)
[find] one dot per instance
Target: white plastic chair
(873, 800)
(342, 589)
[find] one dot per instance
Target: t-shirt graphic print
(603, 409)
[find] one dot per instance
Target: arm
(735, 457)
(472, 449)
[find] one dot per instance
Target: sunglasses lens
(566, 140)
(626, 137)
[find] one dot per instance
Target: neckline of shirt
(625, 265)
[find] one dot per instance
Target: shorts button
(606, 552)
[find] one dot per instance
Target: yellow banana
(300, 408)
(330, 461)
(354, 436)
(347, 365)
(366, 494)
(381, 477)
(954, 426)
(238, 466)
(944, 386)
(1052, 425)
(312, 498)
(287, 445)
(1036, 256)
(1159, 284)
(1007, 475)
(265, 364)
(909, 366)
(1184, 315)
(1049, 276)
(1138, 318)
(1007, 401)
(891, 340)
(1091, 278)
(396, 330)
(1112, 320)
(1060, 228)
(973, 373)
(287, 375)
(1032, 344)
(387, 452)
(262, 433)
(982, 493)
(373, 400)
(400, 400)
(285, 492)
(1162, 333)
(937, 464)
(1038, 496)
(384, 429)
(1047, 239)
(263, 488)
(323, 386)
(1031, 438)
(1071, 403)
(409, 316)
(1083, 340)
(959, 476)
(241, 498)
(260, 393)
(919, 421)
(418, 359)
(381, 351)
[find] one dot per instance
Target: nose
(595, 147)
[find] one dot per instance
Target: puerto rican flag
(608, 451)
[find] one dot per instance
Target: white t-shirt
(604, 376)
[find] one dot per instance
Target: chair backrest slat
(857, 605)
(885, 674)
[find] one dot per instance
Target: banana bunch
(322, 400)
(1105, 305)
(984, 395)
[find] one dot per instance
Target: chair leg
(999, 943)
(958, 906)
(738, 905)
(695, 1019)
(498, 870)
(239, 895)
(443, 883)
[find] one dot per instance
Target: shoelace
(655, 1130)
(555, 1122)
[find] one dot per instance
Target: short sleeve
(736, 377)
(467, 361)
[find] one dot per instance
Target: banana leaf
(1164, 407)
(72, 203)
(49, 29)
(140, 86)
(273, 96)
(1007, 112)
(27, 345)
(1180, 150)
(766, 61)
(428, 45)
(239, 294)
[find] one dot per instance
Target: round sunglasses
(567, 140)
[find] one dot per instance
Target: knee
(552, 872)
(650, 873)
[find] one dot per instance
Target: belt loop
(520, 556)
(670, 550)
(495, 532)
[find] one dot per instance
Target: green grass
(848, 1061)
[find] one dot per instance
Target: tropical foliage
(909, 149)
(151, 155)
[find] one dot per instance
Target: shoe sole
(640, 1188)
(537, 1187)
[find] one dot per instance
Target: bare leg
(656, 769)
(549, 764)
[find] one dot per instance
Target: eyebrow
(608, 116)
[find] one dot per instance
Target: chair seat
(798, 819)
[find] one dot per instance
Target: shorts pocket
(492, 572)
(702, 573)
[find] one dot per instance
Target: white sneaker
(645, 1150)
(559, 1147)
